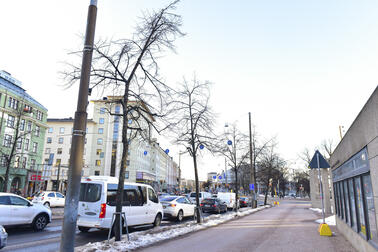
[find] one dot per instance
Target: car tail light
(244, 202)
(201, 204)
(214, 205)
(43, 198)
(103, 211)
(88, 179)
(172, 205)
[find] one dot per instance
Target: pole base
(324, 230)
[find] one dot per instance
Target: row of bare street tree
(129, 69)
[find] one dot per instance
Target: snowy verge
(331, 220)
(148, 237)
(318, 210)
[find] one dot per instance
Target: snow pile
(318, 210)
(331, 220)
(148, 237)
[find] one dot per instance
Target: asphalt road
(287, 227)
(25, 239)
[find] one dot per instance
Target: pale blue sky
(283, 61)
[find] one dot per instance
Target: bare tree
(327, 148)
(129, 68)
(11, 152)
(270, 168)
(233, 145)
(194, 122)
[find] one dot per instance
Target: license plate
(164, 207)
(207, 205)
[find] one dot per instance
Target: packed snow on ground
(331, 220)
(145, 238)
(318, 210)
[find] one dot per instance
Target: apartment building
(22, 126)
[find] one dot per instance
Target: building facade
(354, 169)
(22, 133)
(146, 161)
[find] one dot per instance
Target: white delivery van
(228, 197)
(98, 199)
(201, 196)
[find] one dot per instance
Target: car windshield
(194, 194)
(167, 199)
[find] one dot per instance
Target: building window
(49, 140)
(26, 144)
(51, 130)
(19, 144)
(60, 140)
(27, 109)
(61, 130)
(47, 151)
(29, 126)
(98, 151)
(59, 151)
(101, 121)
(126, 174)
(97, 173)
(12, 103)
(99, 141)
(39, 115)
(100, 130)
(352, 205)
(102, 110)
(24, 162)
(37, 130)
(35, 147)
(22, 125)
(368, 191)
(10, 121)
(32, 164)
(102, 155)
(127, 162)
(7, 140)
(98, 162)
(3, 160)
(16, 162)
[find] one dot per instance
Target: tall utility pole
(253, 179)
(57, 179)
(78, 137)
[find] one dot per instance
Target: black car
(244, 202)
(213, 205)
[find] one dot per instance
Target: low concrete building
(354, 166)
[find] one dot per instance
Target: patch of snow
(331, 220)
(148, 237)
(318, 210)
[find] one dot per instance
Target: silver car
(3, 237)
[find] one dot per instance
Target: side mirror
(30, 204)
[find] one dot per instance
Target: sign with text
(251, 186)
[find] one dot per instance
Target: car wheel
(83, 229)
(180, 216)
(40, 222)
(46, 204)
(157, 221)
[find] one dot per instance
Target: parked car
(213, 205)
(177, 207)
(244, 201)
(49, 199)
(228, 197)
(97, 203)
(201, 196)
(3, 237)
(16, 210)
(162, 195)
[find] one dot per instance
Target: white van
(98, 199)
(228, 197)
(201, 196)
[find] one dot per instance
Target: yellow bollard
(324, 230)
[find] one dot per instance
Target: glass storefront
(354, 199)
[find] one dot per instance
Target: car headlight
(2, 230)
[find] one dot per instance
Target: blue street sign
(145, 152)
(229, 142)
(214, 177)
(130, 121)
(167, 151)
(201, 146)
(220, 177)
(251, 186)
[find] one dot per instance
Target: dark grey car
(213, 205)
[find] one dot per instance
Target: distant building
(19, 108)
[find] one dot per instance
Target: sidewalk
(288, 227)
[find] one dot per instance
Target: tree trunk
(197, 186)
